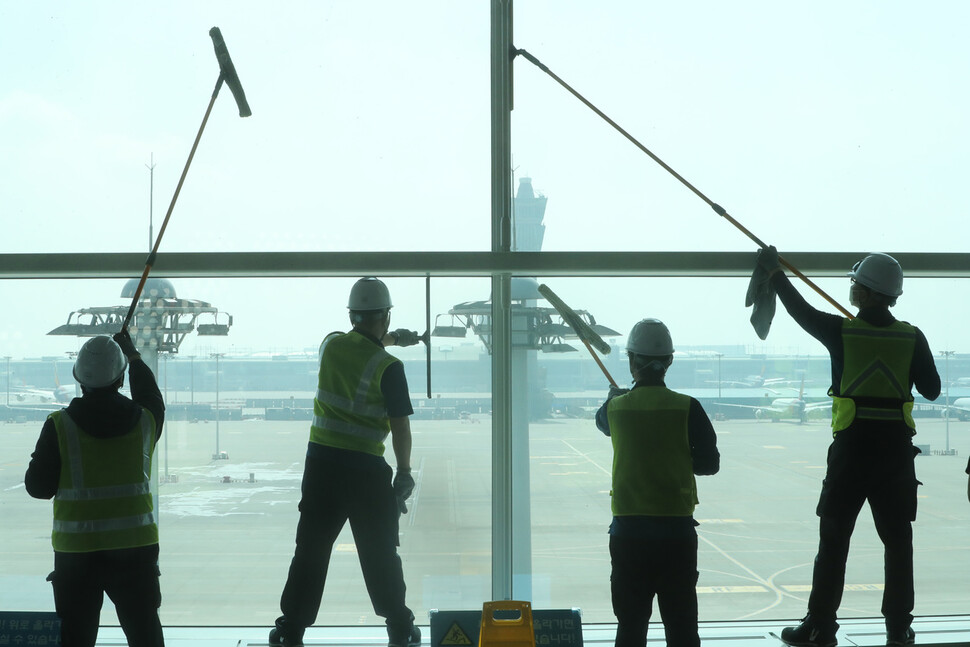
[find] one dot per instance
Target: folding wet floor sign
(551, 627)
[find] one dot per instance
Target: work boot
(810, 634)
(412, 639)
(284, 636)
(900, 636)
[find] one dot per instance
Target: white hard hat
(369, 293)
(650, 337)
(880, 273)
(99, 363)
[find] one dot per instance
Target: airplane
(26, 396)
(758, 381)
(797, 408)
(30, 396)
(959, 408)
(64, 393)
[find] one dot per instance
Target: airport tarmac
(227, 526)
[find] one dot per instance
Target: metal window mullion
(501, 197)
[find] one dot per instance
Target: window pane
(370, 119)
(800, 123)
(230, 462)
(758, 529)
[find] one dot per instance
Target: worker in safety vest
(95, 459)
(661, 439)
(362, 395)
(876, 361)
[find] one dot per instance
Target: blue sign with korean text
(29, 629)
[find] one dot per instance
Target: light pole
(946, 376)
(7, 359)
(164, 423)
(719, 356)
(217, 455)
(192, 379)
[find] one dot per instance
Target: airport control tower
(528, 209)
(160, 324)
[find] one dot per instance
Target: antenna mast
(151, 192)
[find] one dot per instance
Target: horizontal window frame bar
(453, 264)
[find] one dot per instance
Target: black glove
(768, 259)
(123, 339)
(405, 337)
(403, 487)
(615, 391)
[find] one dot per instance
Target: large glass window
(835, 130)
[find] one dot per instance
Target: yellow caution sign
(456, 636)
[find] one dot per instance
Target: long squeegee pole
(161, 232)
(579, 327)
(599, 363)
(718, 209)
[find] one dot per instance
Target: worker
(661, 439)
(362, 395)
(876, 361)
(95, 459)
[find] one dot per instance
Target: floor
(952, 631)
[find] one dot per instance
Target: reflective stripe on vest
(349, 410)
(104, 498)
(652, 467)
(875, 375)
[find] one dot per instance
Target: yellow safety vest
(652, 468)
(875, 375)
(349, 410)
(104, 499)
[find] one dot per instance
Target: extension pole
(227, 75)
(609, 378)
(161, 232)
(718, 209)
(583, 331)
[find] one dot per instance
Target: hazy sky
(820, 126)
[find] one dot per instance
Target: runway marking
(566, 473)
(806, 588)
(769, 583)
(773, 446)
(732, 589)
(15, 487)
(345, 548)
(798, 462)
(586, 456)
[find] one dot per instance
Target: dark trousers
(341, 486)
(866, 464)
(645, 567)
(129, 577)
